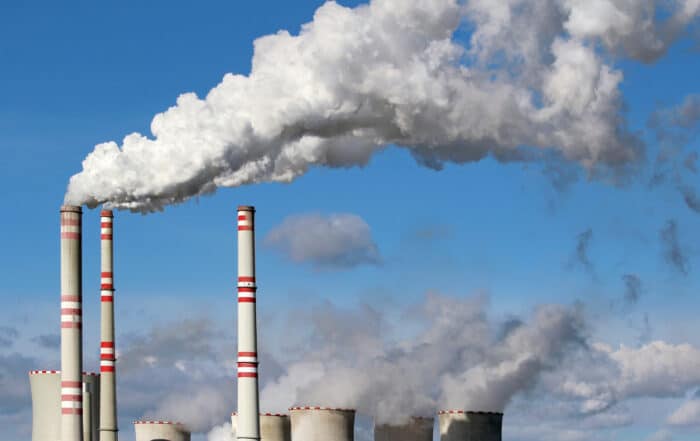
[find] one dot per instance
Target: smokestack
(108, 396)
(416, 429)
(460, 425)
(160, 431)
(273, 426)
(46, 405)
(71, 325)
(248, 402)
(322, 424)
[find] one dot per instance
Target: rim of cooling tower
(267, 414)
(337, 409)
(53, 372)
(460, 411)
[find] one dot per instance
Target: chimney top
(71, 209)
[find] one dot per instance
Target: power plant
(69, 405)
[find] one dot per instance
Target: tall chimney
(71, 325)
(460, 425)
(248, 403)
(108, 390)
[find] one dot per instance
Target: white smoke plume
(458, 356)
(459, 359)
(221, 433)
(531, 78)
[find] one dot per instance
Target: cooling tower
(46, 405)
(416, 429)
(459, 425)
(108, 398)
(322, 424)
(248, 402)
(71, 324)
(273, 427)
(160, 431)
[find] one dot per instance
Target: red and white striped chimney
(108, 389)
(248, 404)
(71, 325)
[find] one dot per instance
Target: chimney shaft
(248, 404)
(108, 395)
(71, 325)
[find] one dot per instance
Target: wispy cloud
(335, 241)
(673, 252)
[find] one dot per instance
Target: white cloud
(688, 414)
(657, 369)
(331, 241)
(661, 435)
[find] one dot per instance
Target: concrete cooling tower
(273, 427)
(46, 405)
(322, 424)
(460, 425)
(160, 431)
(416, 429)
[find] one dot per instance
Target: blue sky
(76, 75)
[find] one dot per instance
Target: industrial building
(69, 405)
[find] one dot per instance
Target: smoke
(672, 251)
(220, 433)
(691, 162)
(633, 288)
(48, 341)
(8, 335)
(333, 241)
(531, 80)
(675, 127)
(690, 197)
(179, 371)
(458, 359)
(580, 255)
